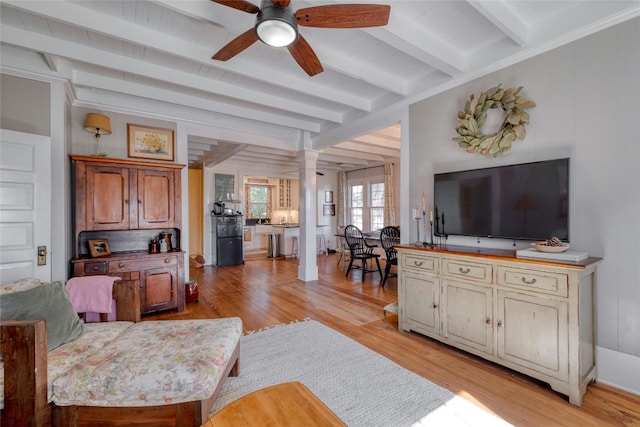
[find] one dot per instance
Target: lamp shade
(98, 124)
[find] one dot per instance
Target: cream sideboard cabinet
(533, 316)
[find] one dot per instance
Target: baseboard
(618, 370)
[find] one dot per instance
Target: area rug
(362, 387)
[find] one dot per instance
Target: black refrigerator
(227, 240)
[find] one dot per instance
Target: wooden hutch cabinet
(129, 203)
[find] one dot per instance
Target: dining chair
(360, 249)
(343, 248)
(389, 237)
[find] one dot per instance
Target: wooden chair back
(389, 237)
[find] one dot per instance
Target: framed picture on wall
(150, 143)
(329, 209)
(328, 196)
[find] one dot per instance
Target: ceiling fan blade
(236, 45)
(305, 56)
(241, 5)
(344, 16)
(281, 3)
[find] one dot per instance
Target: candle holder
(430, 242)
(431, 238)
(416, 216)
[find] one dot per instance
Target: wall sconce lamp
(98, 124)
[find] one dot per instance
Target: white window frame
(366, 208)
(351, 207)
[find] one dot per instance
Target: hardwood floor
(266, 292)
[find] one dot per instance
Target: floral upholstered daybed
(115, 373)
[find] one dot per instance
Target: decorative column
(308, 266)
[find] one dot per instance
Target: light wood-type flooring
(266, 292)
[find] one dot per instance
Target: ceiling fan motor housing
(275, 25)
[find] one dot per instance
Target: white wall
(587, 108)
(115, 145)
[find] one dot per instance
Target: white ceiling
(153, 58)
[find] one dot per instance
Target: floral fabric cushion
(95, 336)
(153, 363)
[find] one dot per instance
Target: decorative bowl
(543, 247)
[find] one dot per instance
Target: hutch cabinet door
(107, 204)
(159, 289)
(467, 313)
(533, 333)
(156, 198)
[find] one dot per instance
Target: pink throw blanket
(92, 295)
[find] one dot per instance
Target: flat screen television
(527, 201)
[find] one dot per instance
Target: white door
(25, 206)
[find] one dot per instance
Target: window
(356, 205)
(376, 210)
(366, 205)
(258, 197)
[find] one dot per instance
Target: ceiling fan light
(276, 33)
(276, 25)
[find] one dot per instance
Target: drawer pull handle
(418, 264)
(167, 260)
(487, 321)
(500, 323)
(528, 282)
(435, 305)
(121, 265)
(464, 270)
(95, 267)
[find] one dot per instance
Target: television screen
(528, 201)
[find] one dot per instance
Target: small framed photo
(99, 247)
(150, 143)
(329, 209)
(328, 196)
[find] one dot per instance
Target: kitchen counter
(287, 232)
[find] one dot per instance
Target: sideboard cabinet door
(533, 333)
(467, 315)
(420, 302)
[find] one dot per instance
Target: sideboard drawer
(420, 262)
(95, 267)
(540, 281)
(463, 269)
(142, 264)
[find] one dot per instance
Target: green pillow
(50, 302)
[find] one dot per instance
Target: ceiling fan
(277, 25)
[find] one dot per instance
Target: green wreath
(474, 116)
